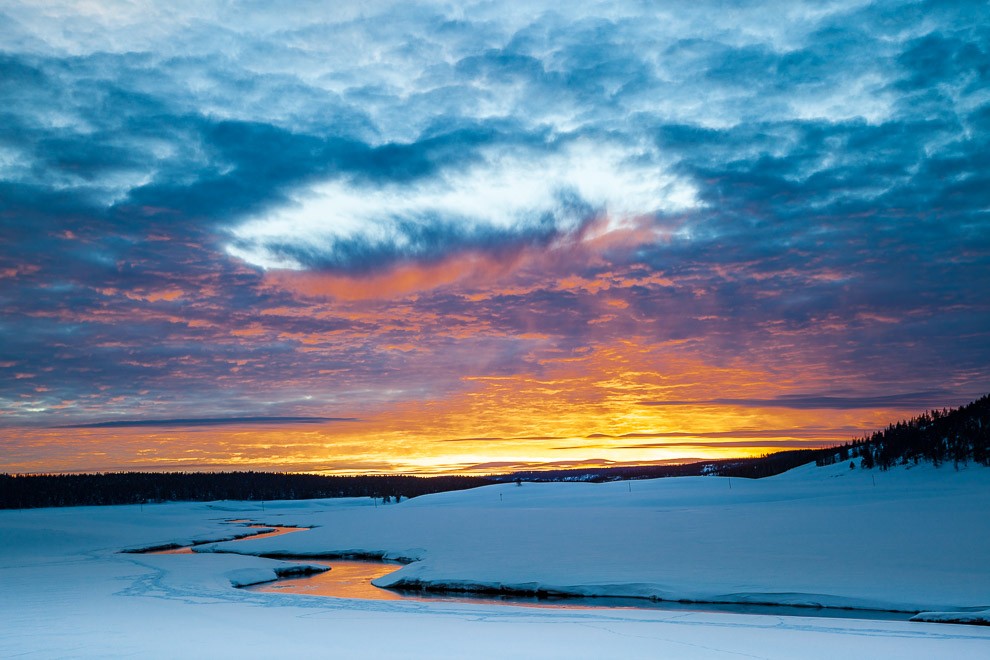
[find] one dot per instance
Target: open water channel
(351, 578)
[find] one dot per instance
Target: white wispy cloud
(505, 192)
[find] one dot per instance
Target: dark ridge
(31, 491)
(763, 466)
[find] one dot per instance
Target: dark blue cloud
(207, 421)
(911, 400)
(766, 444)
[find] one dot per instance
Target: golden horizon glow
(620, 399)
(584, 411)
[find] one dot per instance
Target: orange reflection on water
(347, 578)
(184, 550)
(276, 531)
(352, 579)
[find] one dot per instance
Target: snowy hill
(908, 539)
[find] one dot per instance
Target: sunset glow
(425, 240)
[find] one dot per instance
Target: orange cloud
(479, 275)
(398, 281)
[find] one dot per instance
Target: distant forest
(956, 437)
(21, 492)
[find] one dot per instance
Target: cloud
(505, 196)
(374, 209)
(910, 400)
(505, 467)
(207, 421)
(488, 439)
(738, 444)
(790, 434)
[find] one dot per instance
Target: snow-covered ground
(917, 540)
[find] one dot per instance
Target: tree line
(30, 491)
(957, 436)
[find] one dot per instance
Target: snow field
(917, 540)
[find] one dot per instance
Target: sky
(481, 236)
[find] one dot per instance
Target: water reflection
(184, 550)
(348, 578)
(275, 531)
(351, 578)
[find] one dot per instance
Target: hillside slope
(913, 538)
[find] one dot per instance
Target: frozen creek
(915, 541)
(353, 578)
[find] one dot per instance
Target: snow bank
(904, 540)
(917, 538)
(979, 618)
(245, 577)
